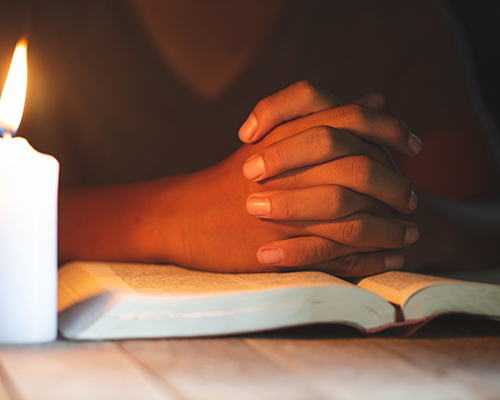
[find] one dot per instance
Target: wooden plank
(218, 369)
(65, 370)
(377, 368)
(472, 361)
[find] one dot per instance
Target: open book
(116, 301)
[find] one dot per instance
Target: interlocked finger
(361, 174)
(313, 146)
(316, 203)
(297, 100)
(363, 230)
(316, 253)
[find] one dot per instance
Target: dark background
(479, 21)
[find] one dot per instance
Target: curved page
(166, 301)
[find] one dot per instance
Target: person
(141, 103)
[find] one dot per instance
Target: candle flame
(14, 92)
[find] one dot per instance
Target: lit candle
(28, 223)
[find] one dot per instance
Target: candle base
(28, 244)
(28, 340)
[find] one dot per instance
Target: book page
(397, 286)
(141, 300)
(75, 285)
(180, 281)
(286, 279)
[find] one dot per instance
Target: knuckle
(353, 114)
(305, 89)
(318, 251)
(325, 250)
(302, 255)
(323, 142)
(276, 157)
(338, 203)
(361, 169)
(352, 232)
(288, 208)
(346, 266)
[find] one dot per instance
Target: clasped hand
(334, 181)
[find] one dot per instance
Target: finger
(375, 101)
(364, 123)
(304, 250)
(316, 203)
(325, 255)
(359, 265)
(361, 174)
(300, 99)
(363, 230)
(312, 146)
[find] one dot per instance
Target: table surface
(453, 357)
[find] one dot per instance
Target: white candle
(28, 225)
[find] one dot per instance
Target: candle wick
(7, 135)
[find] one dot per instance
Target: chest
(208, 44)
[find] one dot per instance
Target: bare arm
(200, 220)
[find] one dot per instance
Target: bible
(98, 300)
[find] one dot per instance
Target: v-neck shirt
(105, 103)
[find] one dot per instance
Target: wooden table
(453, 357)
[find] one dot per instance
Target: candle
(28, 223)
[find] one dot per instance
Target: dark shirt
(103, 101)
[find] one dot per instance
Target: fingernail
(394, 261)
(412, 204)
(271, 256)
(248, 129)
(258, 206)
(414, 144)
(412, 235)
(254, 168)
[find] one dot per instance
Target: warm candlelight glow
(14, 92)
(28, 223)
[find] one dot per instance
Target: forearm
(196, 220)
(134, 222)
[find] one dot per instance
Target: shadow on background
(479, 20)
